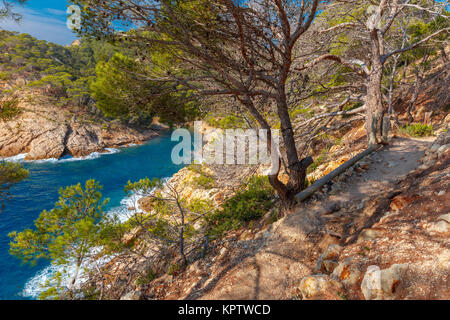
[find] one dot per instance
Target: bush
(320, 160)
(4, 76)
(227, 122)
(174, 269)
(147, 278)
(418, 130)
(246, 206)
(9, 109)
(204, 182)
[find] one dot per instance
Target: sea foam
(92, 156)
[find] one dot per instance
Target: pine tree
(66, 235)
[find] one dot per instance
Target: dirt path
(278, 258)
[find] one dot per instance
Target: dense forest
(90, 72)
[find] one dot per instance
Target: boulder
(327, 262)
(347, 273)
(48, 145)
(381, 284)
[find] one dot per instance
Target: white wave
(43, 280)
(17, 158)
(94, 155)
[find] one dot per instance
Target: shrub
(147, 278)
(418, 130)
(204, 181)
(4, 75)
(246, 206)
(174, 269)
(227, 122)
(320, 159)
(9, 109)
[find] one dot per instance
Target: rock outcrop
(45, 131)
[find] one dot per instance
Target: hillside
(47, 109)
(377, 213)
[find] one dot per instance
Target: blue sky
(43, 19)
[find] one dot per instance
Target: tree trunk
(297, 175)
(296, 169)
(181, 234)
(375, 109)
(374, 98)
(181, 243)
(417, 86)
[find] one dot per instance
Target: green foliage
(169, 218)
(226, 122)
(65, 72)
(247, 205)
(174, 269)
(10, 174)
(418, 130)
(143, 186)
(4, 75)
(66, 234)
(123, 91)
(147, 278)
(9, 109)
(204, 180)
(301, 111)
(318, 161)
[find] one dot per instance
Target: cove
(40, 192)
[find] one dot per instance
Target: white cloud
(56, 12)
(41, 26)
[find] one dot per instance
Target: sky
(43, 19)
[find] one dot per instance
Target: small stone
(371, 284)
(368, 235)
(445, 217)
(133, 295)
(435, 147)
(440, 226)
(443, 148)
(327, 262)
(441, 193)
(320, 287)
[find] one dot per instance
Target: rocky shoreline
(47, 132)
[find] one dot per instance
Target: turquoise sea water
(40, 191)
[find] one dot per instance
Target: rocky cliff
(44, 130)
